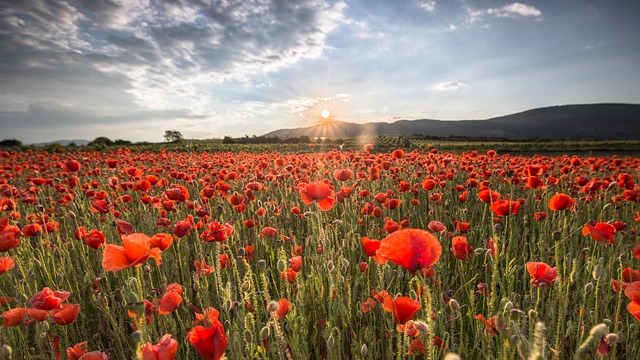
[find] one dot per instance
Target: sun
(325, 114)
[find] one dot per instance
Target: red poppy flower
(268, 232)
(165, 349)
(370, 248)
(343, 174)
(540, 215)
(634, 309)
(284, 306)
(413, 249)
(71, 166)
(75, 352)
(404, 309)
(94, 239)
(463, 227)
(490, 324)
(417, 346)
(290, 275)
(66, 314)
(217, 232)
(170, 300)
(100, 206)
(161, 241)
(6, 263)
(505, 207)
(460, 248)
(542, 274)
(124, 227)
(600, 232)
(13, 317)
(633, 291)
(296, 263)
(210, 342)
(560, 202)
(135, 251)
(488, 196)
(9, 238)
(183, 227)
(630, 275)
(224, 261)
(203, 268)
(48, 299)
(436, 226)
(94, 355)
(320, 192)
(32, 230)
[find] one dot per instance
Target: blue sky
(79, 69)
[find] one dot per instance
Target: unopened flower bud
(451, 356)
(241, 252)
(330, 343)
(508, 306)
(533, 314)
(598, 331)
(6, 351)
(137, 336)
(597, 273)
(612, 338)
(246, 286)
(421, 325)
(364, 350)
(262, 265)
(454, 305)
(264, 333)
(72, 215)
(330, 266)
(272, 306)
(556, 235)
(588, 287)
(282, 265)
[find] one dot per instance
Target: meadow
(318, 252)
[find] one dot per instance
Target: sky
(132, 69)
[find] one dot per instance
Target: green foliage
(172, 136)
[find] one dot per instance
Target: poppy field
(354, 254)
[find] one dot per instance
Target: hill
(571, 122)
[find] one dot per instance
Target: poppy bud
(556, 235)
(6, 351)
(588, 287)
(598, 331)
(451, 356)
(515, 314)
(272, 306)
(147, 269)
(330, 343)
(262, 265)
(479, 251)
(345, 263)
(282, 266)
(195, 286)
(597, 273)
(264, 333)
(497, 228)
(330, 266)
(137, 336)
(364, 350)
(454, 305)
(246, 286)
(422, 326)
(508, 306)
(500, 321)
(72, 215)
(241, 252)
(533, 314)
(248, 335)
(612, 338)
(607, 322)
(132, 297)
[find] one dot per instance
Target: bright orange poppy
(413, 249)
(165, 349)
(319, 192)
(135, 251)
(560, 202)
(600, 232)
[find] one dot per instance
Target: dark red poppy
(170, 300)
(370, 248)
(32, 230)
(284, 306)
(460, 248)
(296, 263)
(210, 342)
(342, 174)
(71, 166)
(48, 299)
(217, 232)
(542, 274)
(413, 249)
(94, 239)
(13, 317)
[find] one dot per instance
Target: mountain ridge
(604, 121)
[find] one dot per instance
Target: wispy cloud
(428, 5)
(449, 86)
(513, 10)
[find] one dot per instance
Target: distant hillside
(63, 143)
(571, 122)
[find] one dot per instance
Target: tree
(10, 143)
(172, 136)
